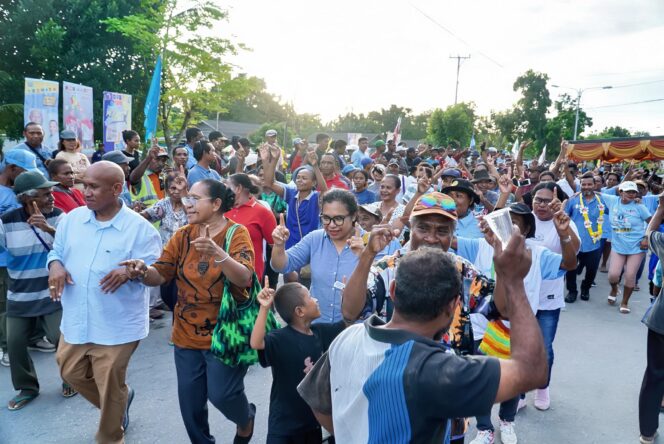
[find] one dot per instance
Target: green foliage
(413, 126)
(285, 134)
(533, 104)
(561, 126)
(611, 132)
(69, 40)
(454, 124)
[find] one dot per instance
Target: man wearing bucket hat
(465, 197)
(420, 315)
(485, 184)
(30, 228)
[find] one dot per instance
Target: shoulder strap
(229, 237)
(37, 153)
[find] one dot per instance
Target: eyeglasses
(543, 202)
(192, 201)
(335, 220)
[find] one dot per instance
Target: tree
(561, 127)
(611, 132)
(509, 125)
(533, 104)
(69, 40)
(454, 124)
(196, 80)
(412, 126)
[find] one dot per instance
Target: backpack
(231, 335)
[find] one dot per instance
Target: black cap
(463, 186)
(524, 210)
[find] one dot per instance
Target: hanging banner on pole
(77, 112)
(117, 118)
(40, 105)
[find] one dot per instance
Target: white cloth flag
(542, 156)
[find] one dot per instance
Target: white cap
(627, 185)
(251, 159)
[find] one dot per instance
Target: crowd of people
(388, 260)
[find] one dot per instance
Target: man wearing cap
(34, 136)
(242, 150)
(192, 135)
(27, 234)
(123, 161)
(418, 278)
(204, 154)
(104, 314)
(146, 185)
(271, 139)
(379, 149)
(484, 183)
(360, 153)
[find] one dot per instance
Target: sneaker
(483, 437)
(507, 432)
(42, 346)
(594, 284)
(542, 400)
(5, 360)
(637, 288)
(125, 418)
(647, 439)
(570, 298)
(522, 404)
(585, 295)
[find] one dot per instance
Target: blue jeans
(548, 322)
(507, 412)
(202, 377)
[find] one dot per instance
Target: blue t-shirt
(356, 158)
(198, 173)
(468, 227)
(302, 217)
(7, 202)
(573, 209)
(629, 227)
(365, 197)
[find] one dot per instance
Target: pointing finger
(281, 220)
(35, 207)
(267, 282)
(182, 170)
(206, 231)
(358, 233)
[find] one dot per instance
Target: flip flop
(612, 299)
(625, 310)
(68, 391)
(21, 400)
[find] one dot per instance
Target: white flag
(542, 156)
(515, 148)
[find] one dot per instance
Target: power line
(625, 104)
(432, 20)
(638, 84)
(459, 58)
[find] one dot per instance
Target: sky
(330, 58)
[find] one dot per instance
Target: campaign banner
(354, 138)
(117, 118)
(77, 112)
(40, 105)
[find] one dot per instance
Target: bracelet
(566, 240)
(223, 260)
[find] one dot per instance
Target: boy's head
(293, 301)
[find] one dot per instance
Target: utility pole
(459, 58)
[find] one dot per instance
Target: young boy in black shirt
(291, 352)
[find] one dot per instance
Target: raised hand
(356, 243)
(312, 158)
(266, 295)
(380, 237)
(505, 184)
(388, 217)
(58, 277)
(555, 205)
(264, 153)
(423, 185)
(524, 145)
(275, 152)
(489, 235)
(280, 234)
(513, 262)
(134, 268)
(561, 220)
(204, 244)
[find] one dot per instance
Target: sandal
(21, 400)
(612, 299)
(624, 310)
(68, 391)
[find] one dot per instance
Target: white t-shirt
(552, 291)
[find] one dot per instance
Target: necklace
(597, 234)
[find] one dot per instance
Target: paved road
(600, 358)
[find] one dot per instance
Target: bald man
(104, 314)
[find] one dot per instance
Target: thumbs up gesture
(205, 245)
(356, 243)
(280, 234)
(38, 220)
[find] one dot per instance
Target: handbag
(496, 340)
(231, 335)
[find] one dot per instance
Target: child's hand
(266, 295)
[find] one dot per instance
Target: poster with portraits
(41, 106)
(117, 118)
(77, 112)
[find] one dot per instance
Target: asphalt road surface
(600, 359)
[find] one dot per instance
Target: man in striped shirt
(27, 234)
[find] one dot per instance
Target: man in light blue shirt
(192, 135)
(204, 155)
(104, 314)
(360, 153)
(34, 136)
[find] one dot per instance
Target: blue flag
(152, 102)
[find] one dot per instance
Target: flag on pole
(152, 102)
(515, 148)
(472, 142)
(542, 156)
(397, 132)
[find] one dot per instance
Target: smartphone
(521, 183)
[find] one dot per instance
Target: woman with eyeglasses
(199, 261)
(331, 251)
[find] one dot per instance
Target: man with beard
(589, 211)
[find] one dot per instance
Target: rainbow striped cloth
(496, 340)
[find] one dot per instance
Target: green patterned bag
(230, 338)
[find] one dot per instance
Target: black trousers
(588, 260)
(652, 387)
(272, 275)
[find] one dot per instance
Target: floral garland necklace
(595, 235)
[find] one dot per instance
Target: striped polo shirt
(28, 294)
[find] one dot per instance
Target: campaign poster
(353, 138)
(77, 112)
(41, 106)
(117, 118)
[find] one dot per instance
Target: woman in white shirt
(70, 150)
